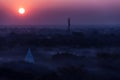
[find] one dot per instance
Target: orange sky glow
(57, 9)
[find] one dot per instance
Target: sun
(21, 10)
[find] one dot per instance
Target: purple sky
(54, 12)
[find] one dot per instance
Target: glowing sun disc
(21, 10)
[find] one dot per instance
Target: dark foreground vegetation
(63, 65)
(107, 67)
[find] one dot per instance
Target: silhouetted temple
(29, 58)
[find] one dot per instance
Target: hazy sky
(53, 12)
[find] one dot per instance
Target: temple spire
(69, 24)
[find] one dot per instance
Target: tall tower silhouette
(29, 58)
(69, 24)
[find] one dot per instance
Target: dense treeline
(78, 39)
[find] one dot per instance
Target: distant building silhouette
(69, 25)
(29, 58)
